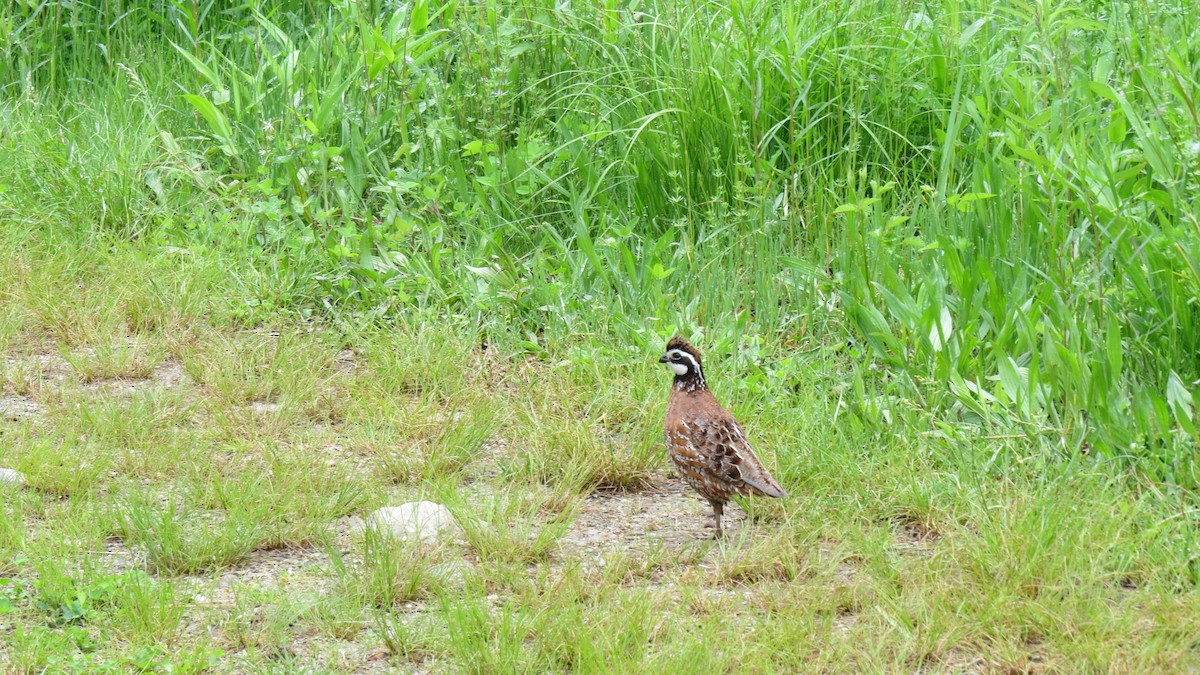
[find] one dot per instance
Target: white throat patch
(678, 368)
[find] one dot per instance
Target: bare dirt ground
(669, 516)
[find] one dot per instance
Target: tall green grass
(993, 203)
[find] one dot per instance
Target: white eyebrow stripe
(695, 365)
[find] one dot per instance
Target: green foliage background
(987, 210)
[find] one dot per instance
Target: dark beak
(662, 359)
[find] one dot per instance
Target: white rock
(424, 520)
(11, 477)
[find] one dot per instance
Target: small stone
(264, 407)
(424, 520)
(11, 477)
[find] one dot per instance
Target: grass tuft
(391, 572)
(176, 540)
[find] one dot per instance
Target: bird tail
(767, 487)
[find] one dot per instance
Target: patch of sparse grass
(34, 649)
(570, 436)
(257, 368)
(59, 467)
(171, 306)
(12, 528)
(12, 325)
(146, 608)
(386, 571)
(142, 433)
(565, 623)
(512, 527)
(94, 607)
(753, 556)
(422, 363)
(575, 453)
(21, 378)
(291, 495)
(144, 419)
(178, 540)
(260, 623)
(455, 441)
(252, 385)
(115, 358)
(83, 316)
(484, 639)
(412, 638)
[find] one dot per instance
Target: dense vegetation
(996, 206)
(971, 226)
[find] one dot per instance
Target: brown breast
(690, 421)
(711, 451)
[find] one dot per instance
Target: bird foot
(711, 523)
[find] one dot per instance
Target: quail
(705, 442)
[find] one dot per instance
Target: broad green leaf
(201, 67)
(217, 122)
(1179, 398)
(420, 17)
(970, 31)
(1113, 345)
(940, 333)
(659, 273)
(1010, 378)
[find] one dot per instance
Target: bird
(705, 443)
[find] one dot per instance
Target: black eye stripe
(683, 358)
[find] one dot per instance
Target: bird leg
(718, 511)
